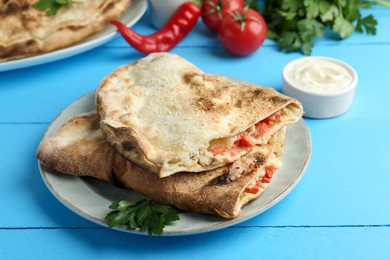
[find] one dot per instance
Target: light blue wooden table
(339, 210)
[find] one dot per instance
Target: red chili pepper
(177, 27)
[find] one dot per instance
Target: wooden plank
(233, 243)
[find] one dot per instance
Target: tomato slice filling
(243, 140)
(264, 125)
(218, 149)
(269, 171)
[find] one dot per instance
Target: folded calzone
(79, 148)
(26, 31)
(167, 116)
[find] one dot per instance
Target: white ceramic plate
(90, 198)
(130, 17)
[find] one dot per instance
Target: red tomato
(252, 190)
(274, 118)
(214, 10)
(243, 32)
(218, 149)
(261, 128)
(270, 170)
(244, 141)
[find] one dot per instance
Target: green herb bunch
(294, 24)
(145, 215)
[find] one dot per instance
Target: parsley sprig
(51, 6)
(145, 215)
(294, 24)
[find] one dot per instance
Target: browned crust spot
(220, 180)
(13, 8)
(108, 8)
(205, 104)
(187, 77)
(278, 100)
(74, 27)
(127, 145)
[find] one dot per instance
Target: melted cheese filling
(229, 149)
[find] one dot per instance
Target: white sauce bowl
(325, 86)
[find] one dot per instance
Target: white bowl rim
(346, 90)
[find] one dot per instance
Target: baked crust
(162, 112)
(26, 31)
(79, 148)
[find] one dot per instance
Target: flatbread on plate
(166, 115)
(79, 148)
(26, 31)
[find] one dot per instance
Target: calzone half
(166, 115)
(79, 148)
(26, 31)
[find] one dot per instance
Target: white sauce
(319, 75)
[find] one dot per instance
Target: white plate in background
(130, 17)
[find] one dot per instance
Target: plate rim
(222, 223)
(89, 43)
